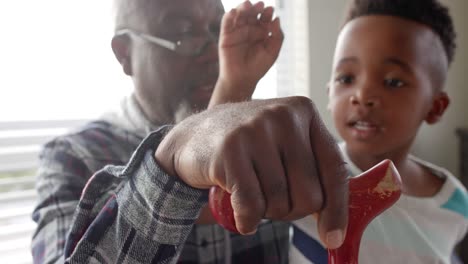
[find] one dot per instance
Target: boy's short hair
(428, 12)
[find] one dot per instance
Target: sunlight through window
(57, 62)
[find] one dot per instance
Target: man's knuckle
(253, 203)
(278, 200)
(313, 201)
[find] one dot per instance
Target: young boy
(389, 69)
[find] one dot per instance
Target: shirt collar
(130, 116)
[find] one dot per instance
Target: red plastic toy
(370, 194)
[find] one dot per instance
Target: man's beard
(183, 111)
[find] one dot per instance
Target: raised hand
(250, 41)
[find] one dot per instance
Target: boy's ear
(328, 94)
(121, 48)
(439, 105)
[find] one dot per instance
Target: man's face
(382, 85)
(170, 86)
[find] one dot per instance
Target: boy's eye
(344, 79)
(394, 83)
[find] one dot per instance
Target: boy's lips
(364, 129)
(363, 125)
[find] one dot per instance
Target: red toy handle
(370, 193)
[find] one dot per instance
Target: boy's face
(386, 80)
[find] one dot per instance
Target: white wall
(437, 143)
(325, 20)
(293, 61)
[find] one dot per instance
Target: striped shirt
(104, 199)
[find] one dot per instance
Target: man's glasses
(187, 46)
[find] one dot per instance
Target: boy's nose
(368, 102)
(363, 97)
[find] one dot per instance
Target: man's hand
(250, 41)
(275, 157)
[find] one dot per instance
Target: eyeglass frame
(168, 44)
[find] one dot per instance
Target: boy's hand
(249, 44)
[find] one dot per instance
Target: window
(55, 54)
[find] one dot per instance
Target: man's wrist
(231, 91)
(164, 157)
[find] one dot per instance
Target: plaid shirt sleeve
(126, 214)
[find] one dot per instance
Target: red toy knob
(220, 205)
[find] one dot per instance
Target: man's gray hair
(129, 13)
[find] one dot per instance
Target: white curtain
(293, 63)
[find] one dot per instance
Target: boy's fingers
(231, 33)
(244, 8)
(244, 5)
(257, 8)
(243, 11)
(275, 40)
(255, 12)
(228, 22)
(250, 12)
(267, 15)
(275, 28)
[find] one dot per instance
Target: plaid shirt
(104, 199)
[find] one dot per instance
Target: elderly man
(130, 187)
